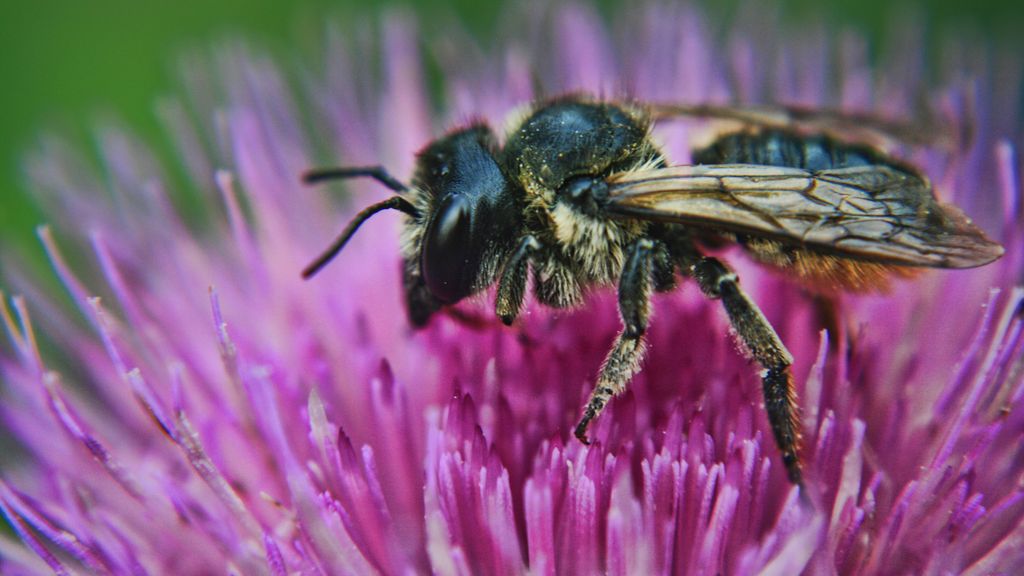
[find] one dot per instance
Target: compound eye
(451, 258)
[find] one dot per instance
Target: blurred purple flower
(214, 413)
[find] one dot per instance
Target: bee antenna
(393, 203)
(378, 173)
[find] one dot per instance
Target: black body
(582, 196)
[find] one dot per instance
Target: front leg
(623, 360)
(760, 339)
(512, 285)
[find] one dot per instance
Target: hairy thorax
(560, 155)
(594, 246)
(581, 251)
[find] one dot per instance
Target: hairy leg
(623, 360)
(764, 345)
(512, 284)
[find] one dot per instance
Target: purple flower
(193, 406)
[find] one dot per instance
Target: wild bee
(582, 195)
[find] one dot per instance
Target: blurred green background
(66, 63)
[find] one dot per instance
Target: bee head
(464, 217)
(474, 215)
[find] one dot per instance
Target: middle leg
(623, 360)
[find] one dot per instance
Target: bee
(581, 195)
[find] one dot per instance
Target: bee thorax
(594, 245)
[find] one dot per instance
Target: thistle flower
(206, 411)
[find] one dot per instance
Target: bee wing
(842, 125)
(872, 213)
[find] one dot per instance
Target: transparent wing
(872, 213)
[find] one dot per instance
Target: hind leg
(764, 345)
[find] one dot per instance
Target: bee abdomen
(786, 149)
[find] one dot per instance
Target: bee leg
(623, 360)
(760, 339)
(420, 304)
(664, 268)
(827, 308)
(512, 285)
